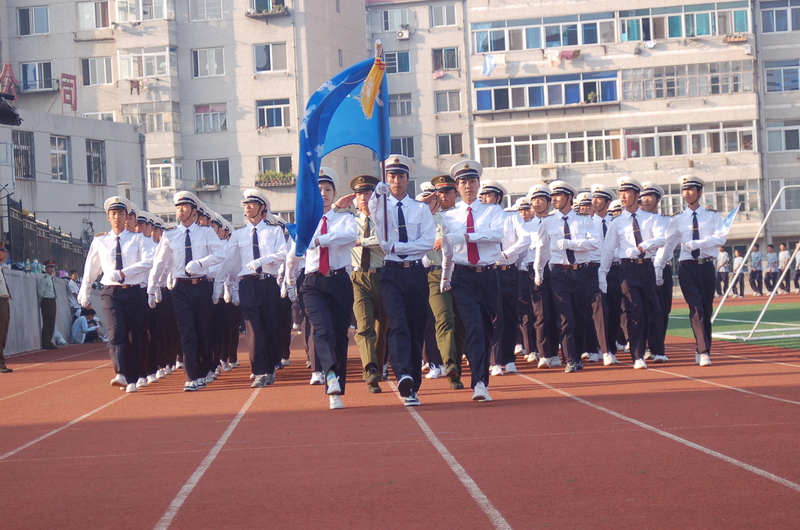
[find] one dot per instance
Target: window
(563, 33)
(774, 17)
(790, 200)
(397, 62)
(399, 104)
(536, 149)
(445, 59)
(33, 21)
(92, 15)
(279, 163)
(156, 116)
(96, 71)
(782, 76)
(447, 101)
(394, 19)
(213, 172)
(273, 113)
(546, 91)
(270, 57)
(59, 158)
(727, 77)
(135, 10)
(443, 15)
(449, 144)
(208, 62)
(164, 173)
(148, 62)
(36, 76)
(105, 116)
(403, 146)
(24, 159)
(210, 118)
(205, 10)
(783, 135)
(265, 5)
(96, 162)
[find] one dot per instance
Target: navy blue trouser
(475, 296)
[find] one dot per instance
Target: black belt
(507, 267)
(402, 264)
(191, 281)
(698, 261)
(124, 286)
(476, 268)
(329, 274)
(594, 265)
(262, 276)
(638, 261)
(371, 270)
(435, 268)
(571, 266)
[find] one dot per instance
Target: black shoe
(451, 372)
(406, 385)
(5, 370)
(571, 367)
(457, 385)
(579, 365)
(374, 388)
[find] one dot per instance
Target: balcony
(274, 179)
(264, 9)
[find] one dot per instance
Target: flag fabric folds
(335, 118)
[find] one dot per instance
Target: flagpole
(385, 201)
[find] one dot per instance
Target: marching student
(119, 255)
(407, 233)
(473, 233)
(566, 240)
(188, 251)
(701, 233)
(601, 197)
(326, 292)
(526, 336)
(649, 200)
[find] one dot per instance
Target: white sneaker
(660, 358)
(152, 379)
(161, 373)
(178, 365)
(628, 346)
(286, 362)
(648, 355)
(131, 388)
(532, 357)
(554, 362)
(544, 363)
(235, 364)
(120, 381)
(518, 349)
(496, 370)
(217, 372)
(481, 393)
(594, 358)
(209, 377)
(638, 364)
(434, 373)
(168, 370)
(190, 386)
(426, 366)
(585, 355)
(511, 368)
(696, 358)
(335, 402)
(142, 382)
(620, 346)
(252, 376)
(705, 360)
(609, 359)
(226, 366)
(334, 389)
(317, 378)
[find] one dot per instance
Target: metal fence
(31, 239)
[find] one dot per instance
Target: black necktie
(605, 229)
(365, 252)
(187, 250)
(256, 251)
(118, 256)
(401, 228)
(637, 235)
(695, 235)
(568, 235)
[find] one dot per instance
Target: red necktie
(324, 264)
(472, 248)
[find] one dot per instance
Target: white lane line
(54, 382)
(186, 490)
(710, 452)
(497, 520)
(53, 360)
(56, 431)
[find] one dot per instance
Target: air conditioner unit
(548, 173)
(403, 34)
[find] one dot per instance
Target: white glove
(215, 296)
(444, 285)
(659, 277)
(193, 267)
(694, 244)
(116, 276)
(538, 279)
(254, 265)
(382, 189)
(291, 292)
(603, 283)
(84, 302)
(151, 301)
(158, 296)
(235, 298)
(564, 244)
(227, 296)
(171, 283)
(386, 246)
(283, 290)
(632, 252)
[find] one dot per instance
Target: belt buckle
(406, 264)
(479, 268)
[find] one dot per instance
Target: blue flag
(335, 118)
(728, 221)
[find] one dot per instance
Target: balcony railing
(274, 179)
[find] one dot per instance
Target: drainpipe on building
(143, 164)
(468, 70)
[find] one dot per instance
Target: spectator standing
(46, 289)
(74, 287)
(783, 262)
(723, 271)
(740, 268)
(5, 309)
(756, 272)
(771, 272)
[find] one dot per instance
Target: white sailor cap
(687, 181)
(584, 198)
(651, 188)
(615, 206)
(133, 209)
(559, 186)
(603, 191)
(629, 184)
(399, 164)
(539, 190)
(256, 195)
(522, 204)
(115, 203)
(142, 216)
(185, 197)
(158, 222)
(327, 174)
(492, 186)
(468, 169)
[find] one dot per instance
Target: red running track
(609, 447)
